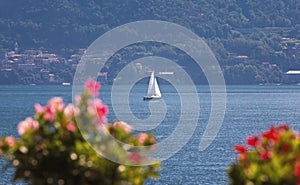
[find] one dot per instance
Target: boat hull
(151, 97)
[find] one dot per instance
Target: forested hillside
(256, 41)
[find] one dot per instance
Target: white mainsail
(153, 89)
(150, 86)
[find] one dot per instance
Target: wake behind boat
(153, 89)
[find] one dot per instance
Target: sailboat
(153, 89)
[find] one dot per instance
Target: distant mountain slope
(76, 23)
(255, 41)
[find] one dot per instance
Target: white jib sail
(156, 89)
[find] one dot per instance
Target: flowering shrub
(51, 150)
(271, 158)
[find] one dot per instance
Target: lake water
(249, 110)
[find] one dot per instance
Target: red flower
(242, 152)
(251, 141)
(283, 127)
(264, 156)
(272, 134)
(240, 148)
(297, 170)
(286, 147)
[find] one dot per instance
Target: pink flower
(124, 126)
(97, 108)
(55, 101)
(102, 109)
(142, 137)
(99, 121)
(49, 115)
(92, 87)
(10, 140)
(71, 127)
(135, 158)
(77, 99)
(71, 110)
(297, 135)
(38, 109)
(26, 125)
(56, 104)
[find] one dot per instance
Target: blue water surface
(249, 110)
